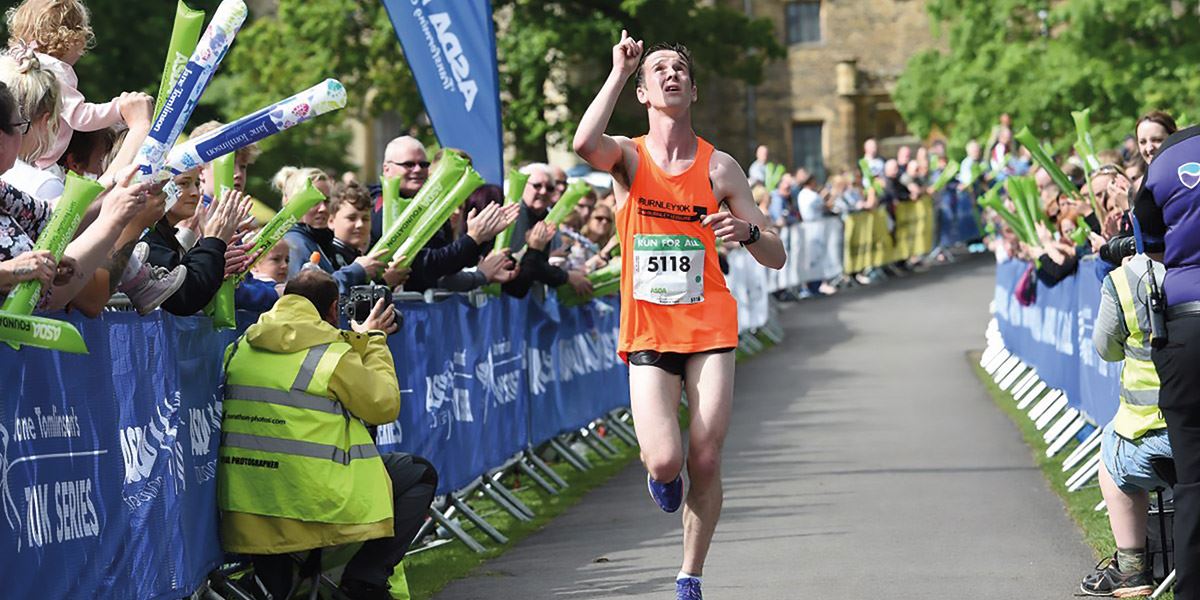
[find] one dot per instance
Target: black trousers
(1178, 365)
(414, 482)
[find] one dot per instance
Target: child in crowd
(350, 208)
(60, 32)
(262, 288)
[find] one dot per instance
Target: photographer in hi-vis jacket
(298, 467)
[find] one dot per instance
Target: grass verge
(1081, 504)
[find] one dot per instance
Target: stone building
(833, 91)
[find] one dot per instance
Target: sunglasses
(409, 164)
(545, 187)
(22, 126)
(602, 219)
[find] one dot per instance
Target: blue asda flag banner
(451, 48)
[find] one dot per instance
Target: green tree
(1038, 61)
(568, 44)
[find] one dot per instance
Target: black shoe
(361, 590)
(1109, 581)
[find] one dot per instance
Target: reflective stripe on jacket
(1138, 412)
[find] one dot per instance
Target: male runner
(675, 196)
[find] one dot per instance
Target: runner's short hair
(679, 49)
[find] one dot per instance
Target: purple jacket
(1168, 212)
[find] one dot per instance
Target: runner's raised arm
(601, 151)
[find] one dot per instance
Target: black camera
(1115, 250)
(358, 303)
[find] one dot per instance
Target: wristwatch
(754, 235)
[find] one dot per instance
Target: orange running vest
(661, 210)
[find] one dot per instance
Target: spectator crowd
(130, 243)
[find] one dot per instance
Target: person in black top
(207, 263)
(1167, 211)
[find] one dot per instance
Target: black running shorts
(671, 362)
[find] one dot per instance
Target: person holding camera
(1136, 435)
(298, 469)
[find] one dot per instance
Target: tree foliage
(1121, 58)
(568, 44)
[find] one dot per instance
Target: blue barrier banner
(465, 410)
(575, 373)
(1054, 335)
(107, 475)
(450, 46)
(108, 461)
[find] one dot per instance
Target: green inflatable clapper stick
(1025, 137)
(1086, 150)
(447, 172)
(393, 204)
(1017, 191)
(224, 168)
(1080, 234)
(774, 175)
(991, 200)
(605, 281)
(78, 194)
(567, 203)
(514, 189)
(433, 218)
(944, 178)
(221, 308)
(184, 36)
(868, 176)
(267, 237)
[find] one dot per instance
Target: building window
(803, 22)
(807, 150)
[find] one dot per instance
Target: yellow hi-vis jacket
(298, 469)
(1138, 412)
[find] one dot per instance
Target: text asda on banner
(450, 45)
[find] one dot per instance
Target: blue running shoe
(687, 588)
(668, 496)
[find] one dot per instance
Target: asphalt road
(865, 461)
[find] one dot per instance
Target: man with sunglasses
(405, 157)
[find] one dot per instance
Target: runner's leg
(710, 400)
(654, 399)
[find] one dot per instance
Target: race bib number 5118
(668, 269)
